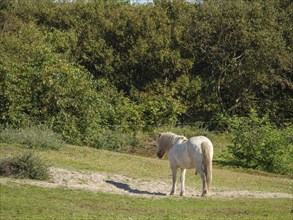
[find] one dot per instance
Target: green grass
(25, 201)
(34, 202)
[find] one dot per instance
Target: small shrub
(24, 166)
(35, 136)
(258, 144)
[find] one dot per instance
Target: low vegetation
(26, 165)
(32, 137)
(252, 143)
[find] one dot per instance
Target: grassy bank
(32, 202)
(90, 159)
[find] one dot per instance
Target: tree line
(88, 65)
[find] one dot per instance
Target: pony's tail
(207, 162)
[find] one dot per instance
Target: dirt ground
(119, 184)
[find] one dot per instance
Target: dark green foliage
(258, 144)
(27, 166)
(83, 67)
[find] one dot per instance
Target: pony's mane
(167, 139)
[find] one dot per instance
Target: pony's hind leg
(202, 174)
(182, 179)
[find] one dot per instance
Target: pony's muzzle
(159, 155)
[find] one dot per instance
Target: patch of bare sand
(120, 184)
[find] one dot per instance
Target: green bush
(258, 144)
(33, 137)
(24, 166)
(160, 105)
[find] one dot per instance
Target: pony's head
(166, 140)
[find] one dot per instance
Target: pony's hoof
(204, 194)
(182, 194)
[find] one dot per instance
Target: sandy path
(119, 184)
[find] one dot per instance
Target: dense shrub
(171, 62)
(160, 105)
(258, 144)
(26, 165)
(39, 85)
(32, 137)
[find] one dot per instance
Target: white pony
(194, 153)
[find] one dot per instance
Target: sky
(141, 1)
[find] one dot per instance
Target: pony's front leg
(183, 172)
(174, 178)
